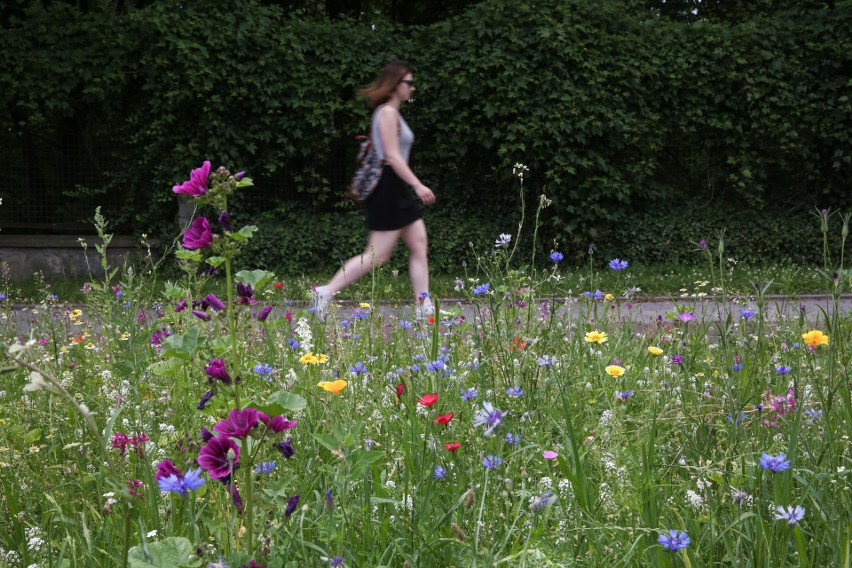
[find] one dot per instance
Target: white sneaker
(320, 303)
(424, 310)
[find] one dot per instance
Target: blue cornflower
(414, 368)
(677, 359)
(293, 343)
(742, 418)
(3, 297)
(336, 562)
(191, 481)
(514, 391)
(597, 294)
(489, 417)
(265, 467)
(361, 313)
(547, 361)
(513, 439)
(345, 323)
(790, 514)
(405, 324)
(737, 367)
(492, 462)
(747, 314)
(674, 540)
(782, 369)
(539, 502)
(813, 415)
(418, 357)
(358, 368)
(262, 369)
(623, 396)
(556, 256)
(440, 472)
(617, 264)
(469, 394)
(481, 289)
(775, 463)
(437, 365)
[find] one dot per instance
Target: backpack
(368, 172)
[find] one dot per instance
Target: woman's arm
(389, 133)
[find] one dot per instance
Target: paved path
(640, 310)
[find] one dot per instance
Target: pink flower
(239, 423)
(198, 235)
(219, 457)
(197, 183)
(549, 455)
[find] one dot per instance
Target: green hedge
(620, 114)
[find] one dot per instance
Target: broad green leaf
(287, 401)
(33, 436)
(256, 278)
(186, 254)
(327, 441)
(168, 368)
(216, 261)
(182, 346)
(172, 552)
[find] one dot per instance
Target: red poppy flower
(431, 319)
(444, 419)
(428, 399)
(452, 446)
(518, 344)
(400, 388)
(279, 285)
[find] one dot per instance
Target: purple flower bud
(205, 399)
(235, 495)
(292, 502)
(201, 315)
(245, 293)
(216, 370)
(264, 313)
(206, 435)
(214, 302)
(239, 175)
(225, 221)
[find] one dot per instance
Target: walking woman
(392, 210)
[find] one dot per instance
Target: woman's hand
(425, 194)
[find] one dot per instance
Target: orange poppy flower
(518, 344)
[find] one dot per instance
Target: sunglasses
(409, 82)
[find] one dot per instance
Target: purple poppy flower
(278, 424)
(263, 314)
(686, 316)
(197, 183)
(225, 221)
(166, 468)
(214, 302)
(238, 424)
(198, 235)
(292, 502)
(286, 448)
(216, 370)
(158, 336)
(220, 456)
(245, 293)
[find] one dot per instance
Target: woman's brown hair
(381, 89)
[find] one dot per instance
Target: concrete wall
(62, 256)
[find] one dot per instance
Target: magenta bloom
(166, 468)
(264, 313)
(181, 306)
(198, 235)
(239, 423)
(214, 302)
(219, 457)
(201, 315)
(216, 370)
(687, 316)
(549, 455)
(197, 183)
(245, 293)
(279, 424)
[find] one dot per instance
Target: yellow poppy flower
(655, 351)
(815, 337)
(365, 306)
(320, 358)
(614, 371)
(308, 359)
(334, 387)
(596, 337)
(75, 314)
(609, 297)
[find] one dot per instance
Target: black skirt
(392, 205)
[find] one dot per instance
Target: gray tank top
(406, 136)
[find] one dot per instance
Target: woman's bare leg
(415, 238)
(380, 246)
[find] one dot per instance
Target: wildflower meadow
(201, 429)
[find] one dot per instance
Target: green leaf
(182, 346)
(287, 401)
(216, 261)
(256, 278)
(361, 460)
(33, 436)
(172, 552)
(167, 368)
(186, 254)
(244, 234)
(327, 441)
